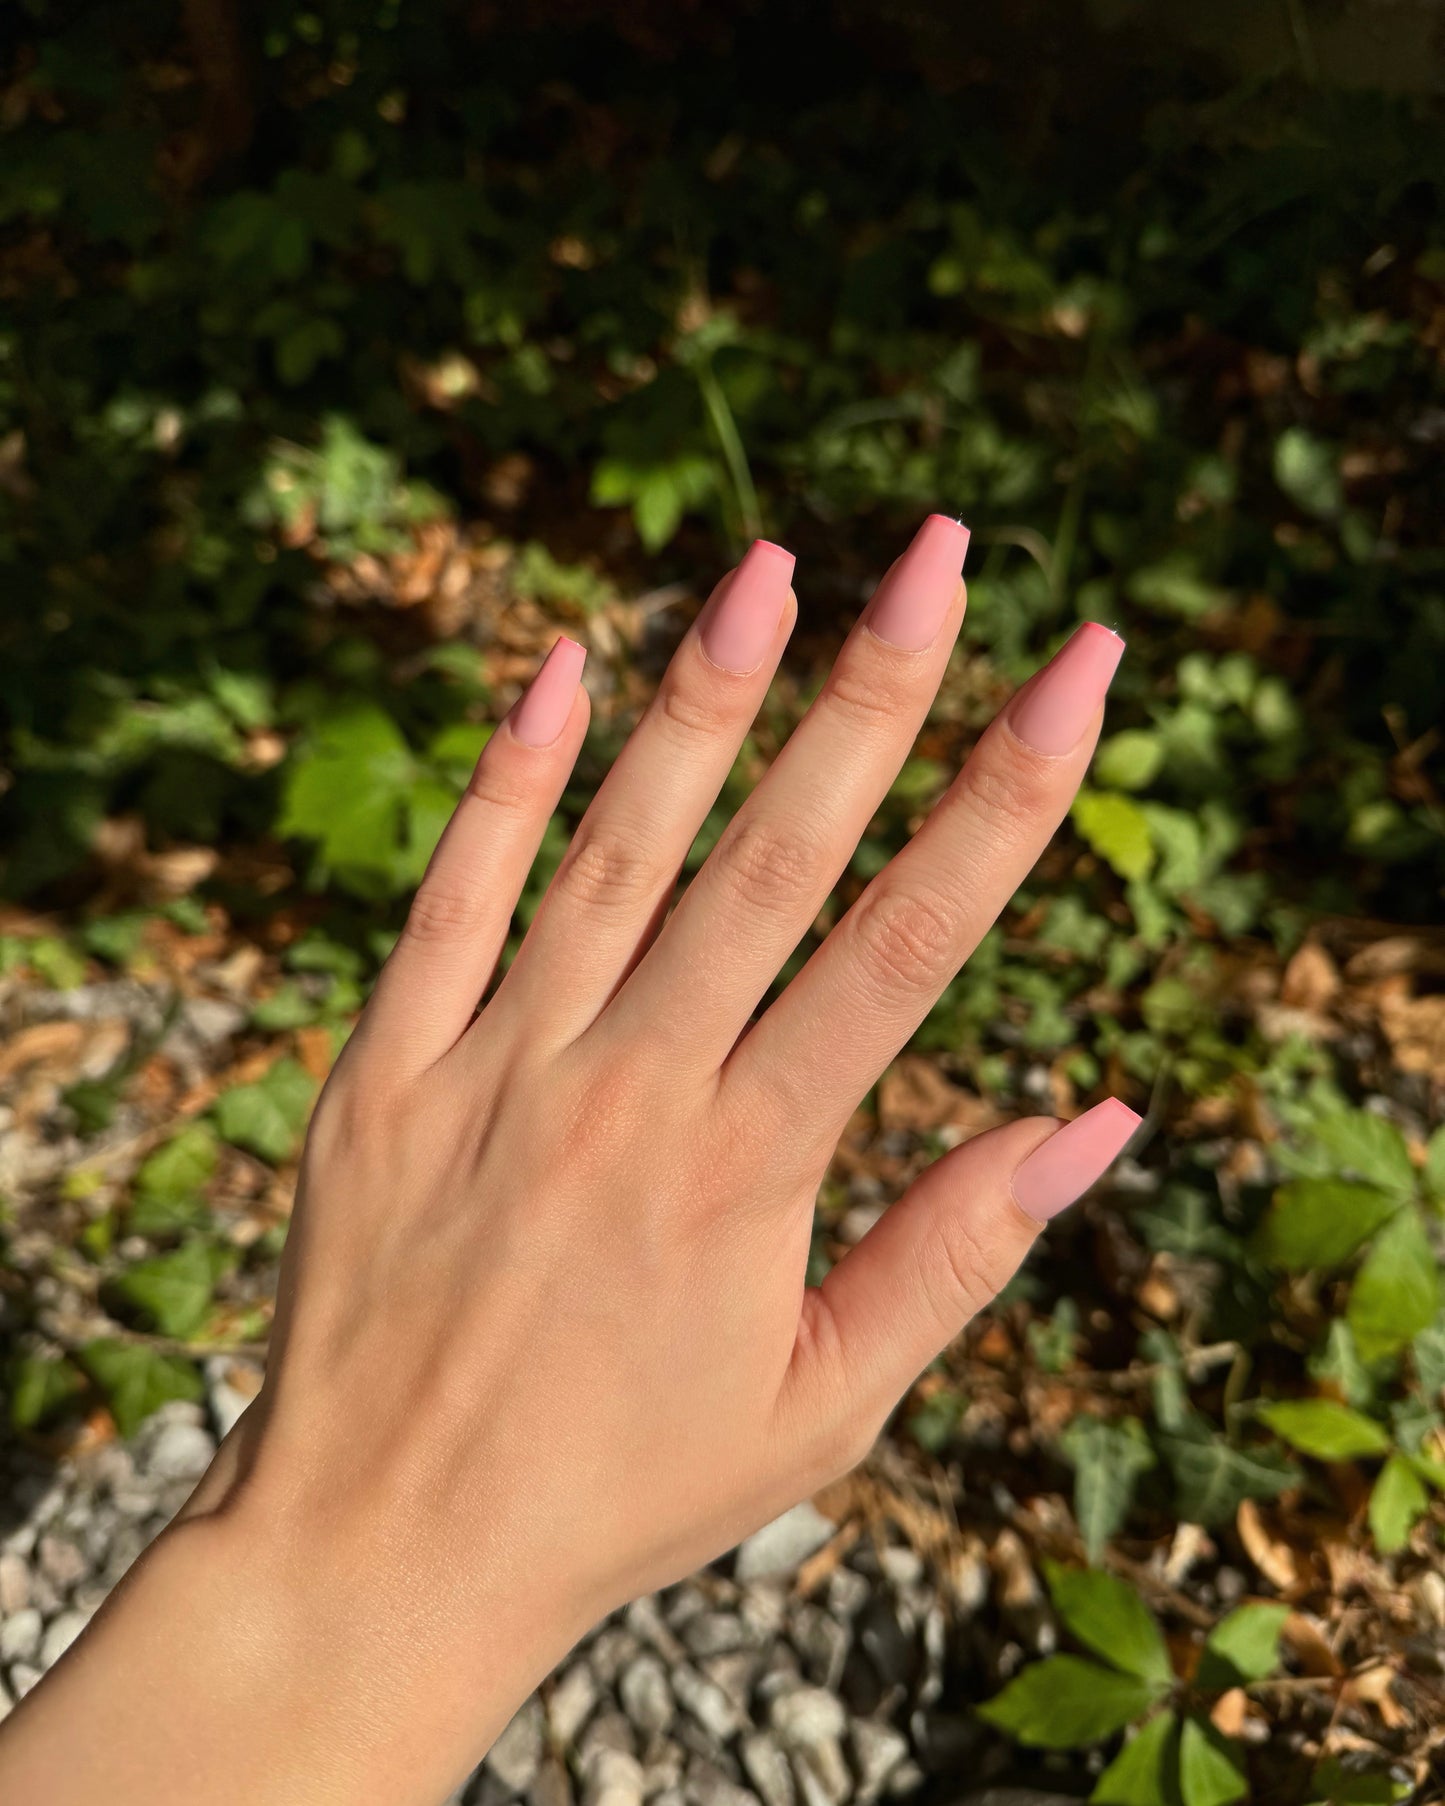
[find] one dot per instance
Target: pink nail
(1069, 1162)
(1052, 711)
(542, 713)
(910, 604)
(741, 620)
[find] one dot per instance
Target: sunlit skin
(543, 1341)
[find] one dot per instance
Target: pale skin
(543, 1341)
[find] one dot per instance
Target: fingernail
(542, 713)
(741, 620)
(910, 604)
(1069, 1162)
(1051, 713)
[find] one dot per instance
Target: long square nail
(1053, 710)
(741, 619)
(542, 713)
(912, 602)
(1068, 1163)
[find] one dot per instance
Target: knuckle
(769, 865)
(348, 1115)
(693, 710)
(867, 690)
(604, 870)
(442, 912)
(959, 1271)
(498, 788)
(1009, 788)
(906, 939)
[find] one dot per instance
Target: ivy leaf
(1397, 1291)
(1116, 829)
(137, 1380)
(1209, 1774)
(1145, 1771)
(1063, 1702)
(40, 1386)
(182, 1166)
(1212, 1478)
(168, 1186)
(1325, 1429)
(1398, 1501)
(1108, 1459)
(1242, 1647)
(1130, 760)
(1428, 1350)
(1109, 1618)
(1316, 1223)
(172, 1291)
(1432, 1176)
(267, 1117)
(1370, 1148)
(345, 787)
(1305, 469)
(1339, 1362)
(1333, 1785)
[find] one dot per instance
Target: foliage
(1176, 1755)
(584, 319)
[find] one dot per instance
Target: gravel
(783, 1545)
(728, 1689)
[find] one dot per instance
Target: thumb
(933, 1261)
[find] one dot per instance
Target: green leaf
(137, 1380)
(1325, 1429)
(1109, 1618)
(164, 1216)
(59, 964)
(1428, 1350)
(1209, 1771)
(1397, 1291)
(1305, 469)
(1212, 1477)
(345, 786)
(172, 1291)
(268, 1116)
(1130, 760)
(1339, 1363)
(1368, 1147)
(458, 746)
(1399, 1500)
(1116, 829)
(180, 1168)
(40, 1386)
(1333, 1785)
(1432, 1176)
(287, 1007)
(1108, 1458)
(1145, 1770)
(1063, 1702)
(1242, 1647)
(1321, 1222)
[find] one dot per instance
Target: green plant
(1176, 1754)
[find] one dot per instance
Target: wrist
(237, 1666)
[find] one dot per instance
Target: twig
(72, 1341)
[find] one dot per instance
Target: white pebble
(60, 1633)
(20, 1635)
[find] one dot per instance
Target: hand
(543, 1340)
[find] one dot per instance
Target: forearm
(227, 1671)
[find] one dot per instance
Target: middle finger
(781, 855)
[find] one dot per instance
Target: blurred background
(348, 353)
